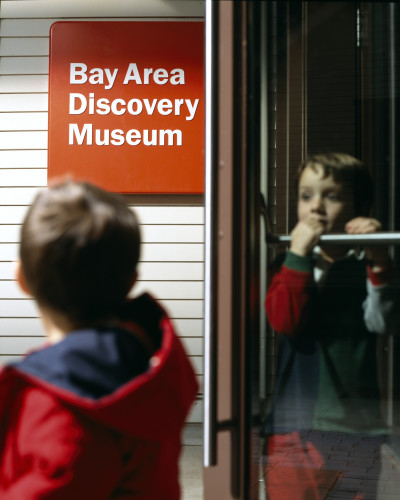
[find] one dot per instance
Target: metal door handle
(344, 239)
(380, 238)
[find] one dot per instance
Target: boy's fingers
(305, 235)
(316, 217)
(361, 225)
(315, 226)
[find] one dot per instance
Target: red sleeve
(50, 453)
(288, 299)
(383, 277)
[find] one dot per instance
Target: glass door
(286, 80)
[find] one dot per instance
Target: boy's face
(324, 199)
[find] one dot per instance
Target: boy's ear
(21, 278)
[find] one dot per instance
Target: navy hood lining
(90, 363)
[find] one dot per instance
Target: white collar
(358, 253)
(322, 266)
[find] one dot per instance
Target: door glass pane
(329, 350)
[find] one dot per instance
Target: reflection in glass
(328, 303)
(332, 389)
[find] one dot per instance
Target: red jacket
(74, 425)
(327, 373)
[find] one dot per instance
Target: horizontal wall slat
(24, 65)
(171, 252)
(23, 177)
(8, 251)
(172, 233)
(165, 271)
(22, 196)
(170, 215)
(25, 27)
(169, 289)
(5, 360)
(41, 27)
(196, 362)
(21, 327)
(9, 233)
(26, 308)
(7, 270)
(11, 290)
(150, 252)
(24, 102)
(38, 27)
(23, 159)
(13, 215)
(189, 328)
(196, 412)
(200, 380)
(23, 121)
(102, 8)
(24, 47)
(23, 140)
(193, 346)
(23, 83)
(184, 308)
(149, 271)
(159, 289)
(20, 345)
(33, 327)
(147, 215)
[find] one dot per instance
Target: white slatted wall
(171, 266)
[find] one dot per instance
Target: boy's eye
(305, 196)
(333, 197)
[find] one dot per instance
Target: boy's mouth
(322, 219)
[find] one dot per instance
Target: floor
(192, 463)
(388, 483)
(346, 467)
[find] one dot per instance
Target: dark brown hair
(79, 250)
(344, 168)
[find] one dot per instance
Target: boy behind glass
(329, 304)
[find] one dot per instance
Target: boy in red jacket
(328, 303)
(98, 412)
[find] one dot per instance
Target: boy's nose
(317, 204)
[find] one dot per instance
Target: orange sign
(126, 105)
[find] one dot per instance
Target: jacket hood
(135, 378)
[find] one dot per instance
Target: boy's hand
(378, 255)
(306, 233)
